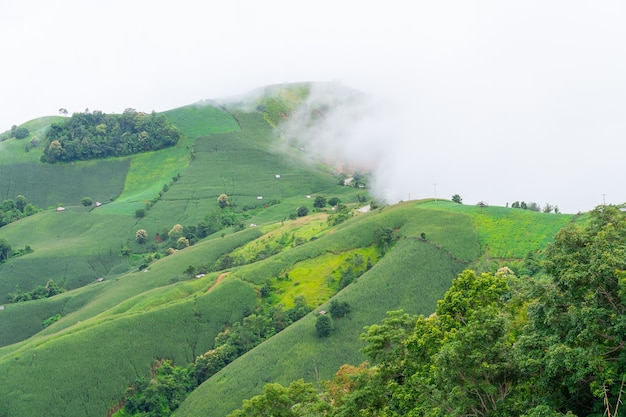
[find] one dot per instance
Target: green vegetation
(177, 299)
(498, 344)
(12, 210)
(98, 135)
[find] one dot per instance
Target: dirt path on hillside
(217, 282)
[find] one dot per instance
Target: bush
(21, 133)
(302, 211)
(86, 201)
(323, 325)
(140, 213)
(334, 201)
(339, 308)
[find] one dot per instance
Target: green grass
(89, 367)
(507, 233)
(47, 185)
(412, 276)
(111, 331)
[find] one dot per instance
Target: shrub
(86, 201)
(21, 133)
(302, 211)
(339, 308)
(323, 325)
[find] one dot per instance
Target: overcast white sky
(494, 100)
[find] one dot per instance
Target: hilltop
(206, 261)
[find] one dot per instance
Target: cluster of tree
(6, 251)
(169, 385)
(15, 132)
(321, 202)
(358, 179)
(42, 291)
(324, 323)
(95, 134)
(181, 236)
(497, 344)
(532, 206)
(12, 210)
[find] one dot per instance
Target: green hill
(128, 304)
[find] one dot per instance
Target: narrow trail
(217, 282)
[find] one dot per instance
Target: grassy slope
(93, 353)
(412, 276)
(112, 331)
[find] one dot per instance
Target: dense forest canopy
(95, 134)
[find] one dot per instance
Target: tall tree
(576, 338)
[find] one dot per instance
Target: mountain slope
(150, 303)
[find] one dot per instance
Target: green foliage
(42, 291)
(302, 211)
(13, 210)
(86, 201)
(319, 202)
(162, 394)
(323, 325)
(339, 309)
(299, 399)
(5, 250)
(500, 345)
(50, 320)
(97, 135)
(20, 133)
(457, 199)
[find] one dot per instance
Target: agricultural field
(129, 299)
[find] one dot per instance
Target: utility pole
(435, 185)
(604, 199)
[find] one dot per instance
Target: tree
(457, 199)
(5, 250)
(302, 211)
(222, 201)
(548, 208)
(323, 325)
(140, 213)
(175, 232)
(20, 203)
(299, 399)
(319, 202)
(141, 236)
(63, 111)
(334, 201)
(575, 337)
(339, 309)
(54, 151)
(86, 201)
(532, 206)
(21, 133)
